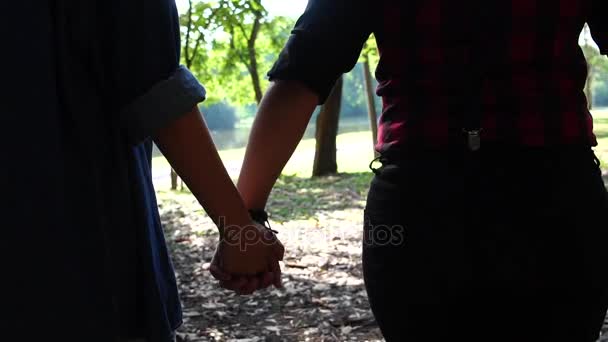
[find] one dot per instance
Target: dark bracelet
(261, 216)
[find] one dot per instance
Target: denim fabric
(164, 102)
(86, 85)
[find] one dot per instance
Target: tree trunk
(173, 179)
(189, 59)
(253, 61)
(327, 130)
(586, 47)
(589, 88)
(257, 86)
(371, 103)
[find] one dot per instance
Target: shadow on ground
(296, 198)
(324, 297)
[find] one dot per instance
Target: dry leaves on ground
(323, 297)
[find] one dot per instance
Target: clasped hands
(247, 259)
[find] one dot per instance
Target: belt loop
(473, 139)
(371, 164)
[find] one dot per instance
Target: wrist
(259, 215)
(233, 223)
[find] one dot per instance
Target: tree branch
(255, 30)
(188, 32)
(199, 40)
(233, 48)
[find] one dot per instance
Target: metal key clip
(474, 139)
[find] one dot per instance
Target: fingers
(278, 250)
(277, 254)
(246, 285)
(267, 279)
(218, 273)
(271, 277)
(251, 286)
(236, 284)
(270, 249)
(275, 269)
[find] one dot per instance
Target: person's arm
(157, 98)
(598, 23)
(278, 128)
(325, 43)
(189, 148)
(202, 170)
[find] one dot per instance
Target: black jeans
(497, 245)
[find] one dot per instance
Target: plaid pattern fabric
(516, 62)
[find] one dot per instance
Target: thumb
(278, 250)
(275, 269)
(218, 273)
(215, 268)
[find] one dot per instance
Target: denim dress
(86, 86)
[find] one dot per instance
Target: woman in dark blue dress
(88, 86)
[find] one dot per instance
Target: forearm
(278, 128)
(189, 148)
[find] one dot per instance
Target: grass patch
(355, 151)
(297, 198)
(292, 198)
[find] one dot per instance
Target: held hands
(247, 259)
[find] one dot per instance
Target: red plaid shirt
(515, 63)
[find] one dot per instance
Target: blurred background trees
(231, 44)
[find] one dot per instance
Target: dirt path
(324, 298)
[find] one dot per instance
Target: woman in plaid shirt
(486, 219)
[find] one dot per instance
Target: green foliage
(600, 92)
(370, 52)
(226, 42)
(354, 100)
(219, 116)
(353, 93)
(247, 111)
(601, 97)
(597, 70)
(231, 65)
(597, 63)
(217, 39)
(292, 198)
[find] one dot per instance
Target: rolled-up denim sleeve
(325, 43)
(164, 102)
(149, 87)
(598, 23)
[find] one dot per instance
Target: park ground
(319, 222)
